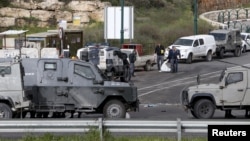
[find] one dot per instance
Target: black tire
(204, 109)
(189, 59)
(221, 54)
(209, 56)
(244, 49)
(5, 111)
(147, 66)
(114, 109)
(237, 52)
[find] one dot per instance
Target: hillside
(155, 20)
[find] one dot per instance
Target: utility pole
(195, 17)
(122, 18)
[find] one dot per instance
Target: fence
(229, 18)
(113, 126)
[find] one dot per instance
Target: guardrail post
(178, 129)
(100, 128)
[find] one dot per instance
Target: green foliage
(4, 3)
(158, 24)
(154, 21)
(94, 135)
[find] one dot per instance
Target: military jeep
(227, 41)
(231, 93)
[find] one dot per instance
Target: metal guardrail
(113, 126)
(224, 18)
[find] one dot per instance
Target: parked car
(147, 61)
(195, 46)
(227, 41)
(245, 41)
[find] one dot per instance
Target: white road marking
(169, 82)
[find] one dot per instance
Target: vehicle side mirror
(65, 79)
(221, 87)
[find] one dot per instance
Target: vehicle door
(230, 42)
(83, 91)
(51, 83)
(235, 88)
(202, 47)
(196, 47)
(140, 60)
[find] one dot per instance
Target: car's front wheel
(209, 56)
(237, 52)
(204, 109)
(5, 111)
(114, 109)
(147, 66)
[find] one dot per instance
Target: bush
(4, 3)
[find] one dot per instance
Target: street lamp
(122, 18)
(195, 17)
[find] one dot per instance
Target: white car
(195, 46)
(245, 41)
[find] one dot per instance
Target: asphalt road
(159, 92)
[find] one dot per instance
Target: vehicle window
(218, 36)
(201, 41)
(243, 37)
(184, 42)
(248, 37)
(234, 77)
(196, 43)
(5, 70)
(49, 66)
(84, 71)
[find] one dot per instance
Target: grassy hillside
(155, 21)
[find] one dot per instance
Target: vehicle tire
(114, 109)
(147, 66)
(189, 59)
(237, 52)
(5, 111)
(209, 56)
(204, 109)
(244, 49)
(221, 55)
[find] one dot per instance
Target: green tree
(4, 3)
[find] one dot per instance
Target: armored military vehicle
(227, 41)
(59, 86)
(231, 93)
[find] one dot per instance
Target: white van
(195, 46)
